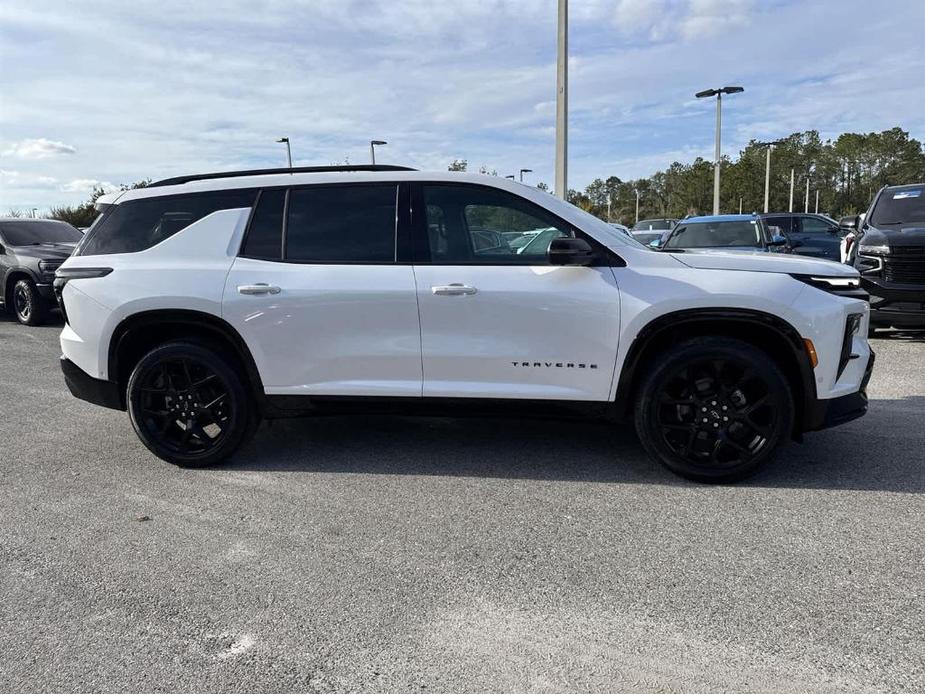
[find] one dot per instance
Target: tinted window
(136, 225)
(783, 222)
(342, 224)
(899, 206)
(653, 225)
(811, 225)
(471, 224)
(715, 234)
(26, 233)
(265, 234)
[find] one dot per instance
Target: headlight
(878, 249)
(842, 286)
(48, 267)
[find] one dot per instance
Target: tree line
(846, 172)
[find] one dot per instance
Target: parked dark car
(30, 252)
(810, 234)
(889, 252)
(726, 232)
(648, 230)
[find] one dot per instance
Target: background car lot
(454, 555)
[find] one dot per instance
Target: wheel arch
(13, 275)
(770, 333)
(137, 334)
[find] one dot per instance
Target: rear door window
(136, 225)
(811, 225)
(785, 223)
(342, 224)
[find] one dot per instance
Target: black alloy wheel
(188, 406)
(27, 304)
(714, 410)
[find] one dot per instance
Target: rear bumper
(825, 414)
(93, 390)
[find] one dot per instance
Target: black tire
(28, 306)
(188, 405)
(714, 409)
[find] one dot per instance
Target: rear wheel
(714, 409)
(188, 405)
(29, 307)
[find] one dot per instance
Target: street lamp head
(510, 176)
(715, 92)
(523, 171)
(378, 142)
(706, 93)
(732, 90)
(283, 139)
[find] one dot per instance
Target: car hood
(761, 261)
(46, 251)
(912, 234)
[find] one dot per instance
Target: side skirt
(283, 406)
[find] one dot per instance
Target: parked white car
(203, 304)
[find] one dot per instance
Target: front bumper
(47, 292)
(825, 414)
(895, 306)
(93, 390)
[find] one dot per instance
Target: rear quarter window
(137, 225)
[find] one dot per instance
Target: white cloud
(86, 185)
(661, 20)
(39, 148)
(18, 179)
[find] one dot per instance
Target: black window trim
(604, 256)
(400, 219)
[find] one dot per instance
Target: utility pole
(522, 172)
(637, 205)
(791, 190)
(609, 218)
(806, 207)
(717, 159)
(767, 172)
(562, 103)
(817, 201)
(740, 205)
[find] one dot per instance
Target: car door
(497, 319)
(818, 238)
(318, 296)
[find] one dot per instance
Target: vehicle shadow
(884, 451)
(53, 321)
(902, 335)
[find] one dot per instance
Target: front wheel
(28, 305)
(714, 409)
(188, 405)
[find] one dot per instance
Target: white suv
(204, 304)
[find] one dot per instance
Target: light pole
(372, 149)
(34, 212)
(791, 191)
(562, 102)
(522, 172)
(288, 150)
(718, 93)
(637, 206)
(817, 201)
(767, 172)
(806, 204)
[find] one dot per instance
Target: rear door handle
(453, 290)
(257, 289)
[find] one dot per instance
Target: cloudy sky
(110, 91)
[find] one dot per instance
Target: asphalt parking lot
(395, 554)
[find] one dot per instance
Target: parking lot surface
(399, 554)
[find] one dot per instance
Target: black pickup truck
(30, 252)
(889, 252)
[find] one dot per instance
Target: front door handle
(453, 290)
(257, 289)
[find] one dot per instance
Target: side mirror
(858, 221)
(655, 243)
(778, 240)
(569, 251)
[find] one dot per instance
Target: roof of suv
(719, 218)
(268, 178)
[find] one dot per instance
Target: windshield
(899, 206)
(28, 233)
(716, 235)
(653, 225)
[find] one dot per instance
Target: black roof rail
(177, 180)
